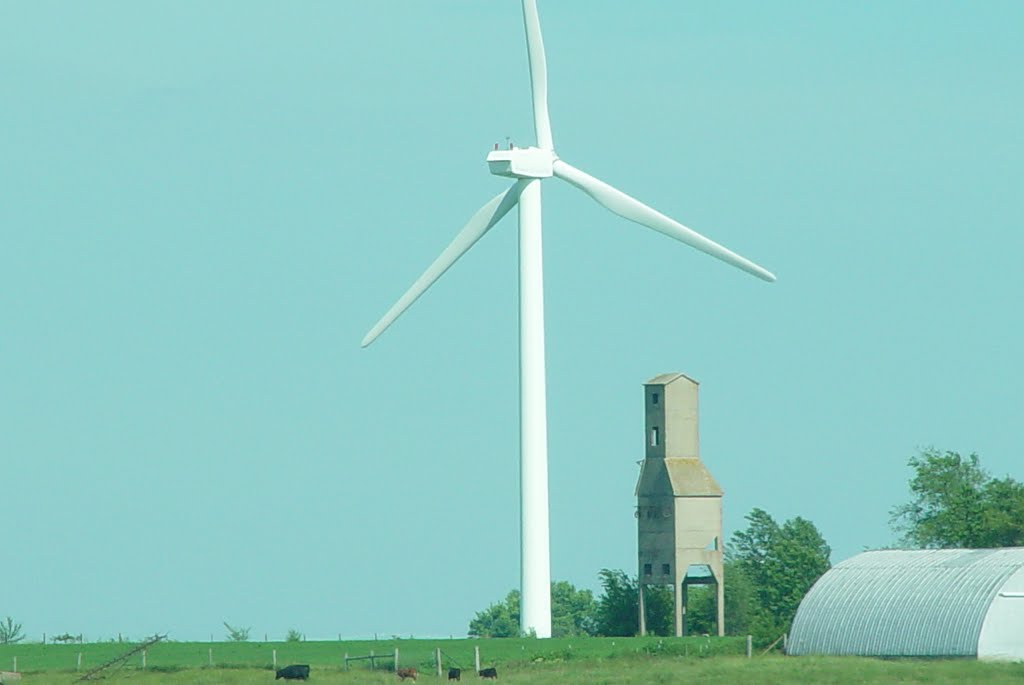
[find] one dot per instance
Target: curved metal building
(934, 603)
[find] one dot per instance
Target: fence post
(346, 661)
(476, 657)
(373, 662)
(275, 659)
(396, 659)
(79, 667)
(211, 655)
(143, 660)
(15, 664)
(750, 646)
(437, 657)
(785, 638)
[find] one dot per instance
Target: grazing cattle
(404, 673)
(455, 674)
(293, 672)
(491, 673)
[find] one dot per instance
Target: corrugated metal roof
(903, 603)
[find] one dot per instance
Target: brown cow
(404, 673)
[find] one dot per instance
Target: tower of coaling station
(679, 504)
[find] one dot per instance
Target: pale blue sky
(205, 206)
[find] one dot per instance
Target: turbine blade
(538, 74)
(634, 210)
(488, 215)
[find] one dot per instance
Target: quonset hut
(916, 603)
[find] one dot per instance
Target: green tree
(781, 564)
(498, 620)
(572, 613)
(798, 558)
(237, 634)
(740, 600)
(10, 631)
(946, 501)
(1004, 513)
(956, 503)
(67, 638)
(618, 607)
(702, 612)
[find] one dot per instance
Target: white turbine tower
(529, 166)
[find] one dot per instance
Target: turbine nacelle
(522, 162)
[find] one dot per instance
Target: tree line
(770, 566)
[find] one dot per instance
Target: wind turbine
(529, 166)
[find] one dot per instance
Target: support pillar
(643, 612)
(680, 597)
(720, 603)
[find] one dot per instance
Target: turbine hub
(522, 162)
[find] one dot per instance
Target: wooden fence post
(476, 656)
(437, 657)
(275, 659)
(373, 662)
(211, 655)
(396, 659)
(143, 660)
(346, 661)
(750, 646)
(15, 664)
(79, 667)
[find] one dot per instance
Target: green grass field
(416, 653)
(579, 661)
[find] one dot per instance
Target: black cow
(491, 673)
(455, 674)
(293, 672)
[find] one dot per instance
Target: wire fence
(427, 656)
